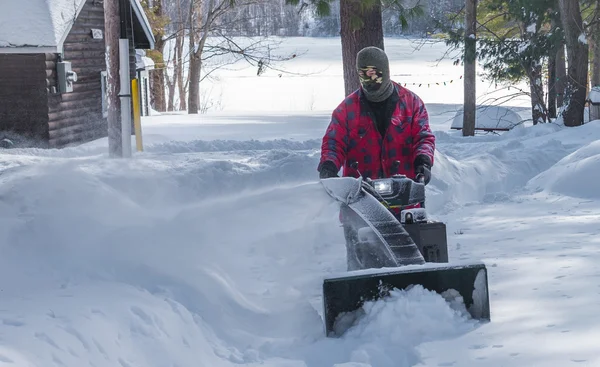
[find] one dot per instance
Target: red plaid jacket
(353, 143)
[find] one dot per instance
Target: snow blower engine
(405, 198)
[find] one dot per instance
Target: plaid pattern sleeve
(423, 138)
(334, 143)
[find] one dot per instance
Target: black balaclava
(374, 73)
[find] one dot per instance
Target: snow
(210, 246)
(344, 189)
(572, 174)
(594, 95)
(142, 61)
(490, 117)
(37, 23)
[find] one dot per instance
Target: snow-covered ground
(209, 248)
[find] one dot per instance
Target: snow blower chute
(391, 244)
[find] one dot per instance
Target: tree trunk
(157, 85)
(179, 58)
(470, 72)
(179, 72)
(359, 28)
(577, 56)
(194, 92)
(195, 18)
(157, 97)
(170, 83)
(112, 32)
(561, 75)
(552, 86)
(552, 70)
(594, 41)
(538, 110)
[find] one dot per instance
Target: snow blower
(391, 244)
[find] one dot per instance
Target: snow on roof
(490, 117)
(38, 24)
(43, 25)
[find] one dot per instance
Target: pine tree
(515, 37)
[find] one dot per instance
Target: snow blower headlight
(383, 186)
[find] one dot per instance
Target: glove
(327, 170)
(423, 168)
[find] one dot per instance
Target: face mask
(370, 78)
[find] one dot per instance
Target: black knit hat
(374, 73)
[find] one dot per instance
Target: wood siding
(76, 117)
(23, 109)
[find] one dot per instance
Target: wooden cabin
(42, 102)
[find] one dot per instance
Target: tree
(594, 41)
(168, 22)
(158, 21)
(112, 32)
(557, 72)
(361, 26)
(204, 22)
(514, 39)
(470, 74)
(178, 59)
(591, 19)
(577, 56)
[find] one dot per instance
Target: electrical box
(66, 76)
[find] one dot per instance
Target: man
(380, 130)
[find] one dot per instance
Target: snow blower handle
(420, 178)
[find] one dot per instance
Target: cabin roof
(41, 26)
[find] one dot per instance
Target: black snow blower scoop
(391, 244)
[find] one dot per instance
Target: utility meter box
(66, 76)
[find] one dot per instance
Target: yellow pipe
(137, 123)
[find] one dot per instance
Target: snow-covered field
(209, 248)
(313, 80)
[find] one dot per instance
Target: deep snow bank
(494, 168)
(467, 169)
(575, 175)
(233, 145)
